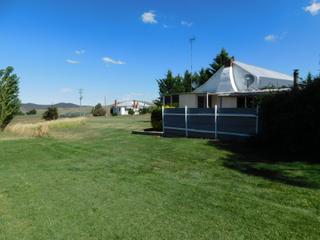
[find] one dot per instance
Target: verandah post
(257, 120)
(186, 119)
(163, 120)
(215, 121)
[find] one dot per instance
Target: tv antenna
(80, 99)
(319, 62)
(191, 40)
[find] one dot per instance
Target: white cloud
(66, 90)
(72, 61)
(186, 24)
(108, 60)
(275, 38)
(313, 8)
(79, 52)
(270, 38)
(149, 17)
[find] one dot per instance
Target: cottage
(232, 86)
(123, 107)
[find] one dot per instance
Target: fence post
(215, 121)
(257, 120)
(163, 120)
(186, 119)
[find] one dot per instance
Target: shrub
(98, 111)
(131, 111)
(50, 114)
(291, 120)
(156, 119)
(143, 111)
(113, 112)
(32, 112)
(20, 113)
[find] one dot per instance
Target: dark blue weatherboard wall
(201, 122)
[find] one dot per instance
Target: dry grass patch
(41, 129)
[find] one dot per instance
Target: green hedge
(291, 120)
(156, 119)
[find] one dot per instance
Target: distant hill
(30, 106)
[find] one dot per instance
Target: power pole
(80, 98)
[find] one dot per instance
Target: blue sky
(119, 48)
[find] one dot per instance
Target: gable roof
(262, 72)
(235, 79)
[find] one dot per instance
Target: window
(250, 102)
(241, 102)
(167, 100)
(175, 100)
(201, 102)
(246, 102)
(210, 101)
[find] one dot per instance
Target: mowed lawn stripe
(116, 185)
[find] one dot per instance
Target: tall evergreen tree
(308, 80)
(222, 59)
(166, 85)
(179, 85)
(204, 75)
(187, 81)
(170, 84)
(9, 99)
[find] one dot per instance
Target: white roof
(235, 79)
(262, 72)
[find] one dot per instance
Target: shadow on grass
(247, 159)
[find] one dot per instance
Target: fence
(211, 123)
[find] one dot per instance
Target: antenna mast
(80, 98)
(191, 40)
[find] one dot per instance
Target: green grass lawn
(98, 181)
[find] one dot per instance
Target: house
(233, 86)
(123, 107)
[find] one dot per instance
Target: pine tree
(187, 81)
(9, 96)
(166, 85)
(222, 59)
(204, 75)
(170, 84)
(309, 79)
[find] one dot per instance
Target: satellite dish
(194, 85)
(249, 79)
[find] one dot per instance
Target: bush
(50, 114)
(98, 111)
(291, 120)
(156, 119)
(131, 111)
(20, 113)
(144, 111)
(32, 112)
